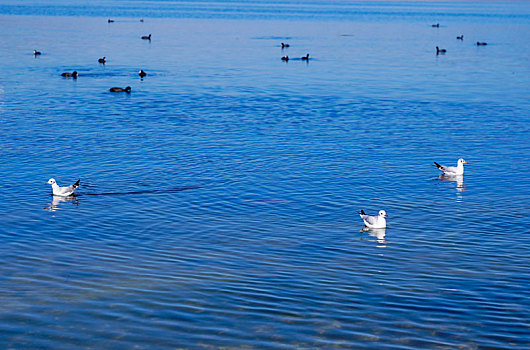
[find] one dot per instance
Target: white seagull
(62, 191)
(378, 221)
(453, 170)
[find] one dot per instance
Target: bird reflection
(459, 179)
(378, 233)
(57, 200)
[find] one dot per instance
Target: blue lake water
(218, 201)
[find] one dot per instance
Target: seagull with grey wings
(453, 170)
(62, 191)
(378, 221)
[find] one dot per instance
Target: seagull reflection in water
(378, 233)
(56, 200)
(459, 179)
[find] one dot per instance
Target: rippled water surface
(218, 200)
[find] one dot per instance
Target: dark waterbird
(440, 51)
(36, 53)
(70, 75)
(102, 60)
(305, 58)
(119, 89)
(110, 21)
(285, 58)
(141, 73)
(437, 25)
(461, 37)
(284, 45)
(481, 43)
(146, 37)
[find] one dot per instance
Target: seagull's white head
(382, 213)
(461, 161)
(50, 181)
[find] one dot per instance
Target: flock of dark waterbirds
(438, 50)
(103, 60)
(460, 37)
(285, 58)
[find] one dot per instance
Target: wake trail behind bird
(168, 190)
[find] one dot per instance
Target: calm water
(218, 201)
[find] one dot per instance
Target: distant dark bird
(437, 25)
(119, 89)
(440, 51)
(36, 53)
(103, 60)
(146, 37)
(110, 21)
(285, 58)
(305, 58)
(481, 43)
(461, 37)
(142, 74)
(284, 45)
(141, 19)
(70, 75)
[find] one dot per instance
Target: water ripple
(218, 201)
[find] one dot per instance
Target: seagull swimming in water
(453, 170)
(378, 221)
(62, 191)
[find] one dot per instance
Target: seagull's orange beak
(47, 183)
(386, 215)
(465, 162)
